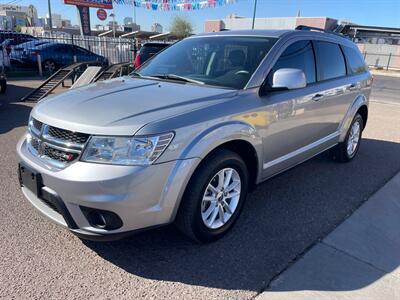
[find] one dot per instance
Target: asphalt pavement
(281, 220)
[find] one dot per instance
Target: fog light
(101, 219)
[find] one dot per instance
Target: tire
(49, 66)
(340, 152)
(191, 218)
(3, 86)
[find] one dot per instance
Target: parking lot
(281, 219)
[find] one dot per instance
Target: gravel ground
(281, 219)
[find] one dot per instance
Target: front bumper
(142, 197)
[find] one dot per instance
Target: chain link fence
(382, 61)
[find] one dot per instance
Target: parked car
(4, 58)
(147, 51)
(53, 55)
(10, 39)
(189, 133)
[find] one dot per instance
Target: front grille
(55, 145)
(59, 155)
(35, 143)
(68, 136)
(37, 124)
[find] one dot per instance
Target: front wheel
(49, 66)
(214, 197)
(347, 150)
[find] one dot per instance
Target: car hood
(124, 105)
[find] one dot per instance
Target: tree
(181, 27)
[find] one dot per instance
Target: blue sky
(365, 12)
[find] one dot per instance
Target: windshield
(225, 61)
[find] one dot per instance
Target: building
(372, 34)
(234, 22)
(131, 27)
(6, 23)
(19, 15)
(128, 21)
(156, 27)
(56, 20)
(66, 23)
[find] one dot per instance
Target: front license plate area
(30, 179)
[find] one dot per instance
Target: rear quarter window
(355, 60)
(330, 60)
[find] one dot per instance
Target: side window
(355, 60)
(330, 60)
(299, 55)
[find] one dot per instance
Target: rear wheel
(347, 150)
(214, 197)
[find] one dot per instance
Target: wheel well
(247, 153)
(363, 111)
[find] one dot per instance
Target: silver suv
(185, 137)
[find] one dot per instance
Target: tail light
(137, 61)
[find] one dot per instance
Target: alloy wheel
(221, 198)
(354, 138)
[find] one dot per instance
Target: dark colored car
(147, 51)
(11, 39)
(54, 55)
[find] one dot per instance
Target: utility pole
(254, 13)
(113, 18)
(50, 21)
(134, 14)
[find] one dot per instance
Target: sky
(363, 12)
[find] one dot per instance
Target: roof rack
(310, 28)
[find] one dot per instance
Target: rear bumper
(142, 197)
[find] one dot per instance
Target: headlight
(126, 150)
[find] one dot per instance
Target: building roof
(373, 28)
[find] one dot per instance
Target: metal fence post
(390, 56)
(39, 59)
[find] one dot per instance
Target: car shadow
(14, 113)
(281, 219)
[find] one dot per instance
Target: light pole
(254, 14)
(50, 21)
(113, 23)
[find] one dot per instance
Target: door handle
(317, 97)
(353, 86)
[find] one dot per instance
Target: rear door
(332, 99)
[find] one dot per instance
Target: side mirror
(289, 78)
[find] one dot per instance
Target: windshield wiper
(177, 77)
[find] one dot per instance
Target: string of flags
(175, 5)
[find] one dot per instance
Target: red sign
(101, 14)
(107, 4)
